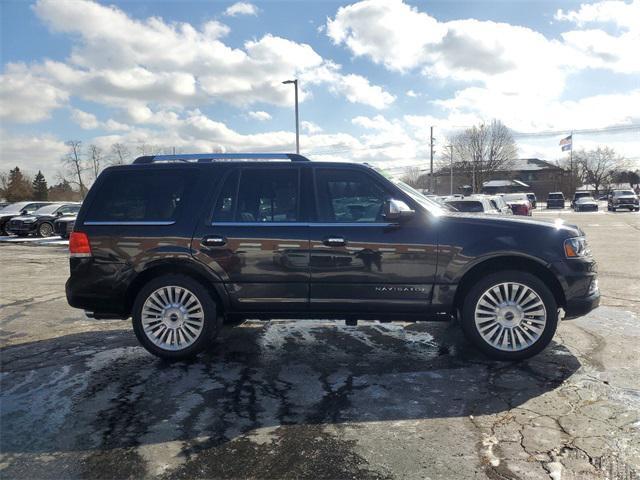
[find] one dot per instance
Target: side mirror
(24, 212)
(59, 214)
(397, 210)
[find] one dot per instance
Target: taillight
(79, 245)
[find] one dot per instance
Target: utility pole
(431, 168)
(450, 147)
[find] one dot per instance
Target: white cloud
(260, 116)
(623, 14)
(310, 127)
(26, 97)
(31, 153)
(85, 120)
(241, 8)
(390, 32)
(412, 94)
(168, 65)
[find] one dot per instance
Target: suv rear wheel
(510, 315)
(174, 317)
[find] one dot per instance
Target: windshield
(432, 206)
(555, 196)
(582, 194)
(584, 200)
(14, 207)
(466, 205)
(46, 210)
(515, 196)
(623, 192)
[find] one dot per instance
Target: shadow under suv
(182, 242)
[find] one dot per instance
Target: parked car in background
(555, 200)
(585, 204)
(151, 242)
(477, 204)
(4, 204)
(40, 222)
(471, 205)
(519, 203)
(622, 199)
(499, 204)
(63, 226)
(580, 194)
(17, 209)
(532, 200)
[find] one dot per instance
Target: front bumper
(579, 280)
(578, 307)
(23, 228)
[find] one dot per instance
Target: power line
(551, 133)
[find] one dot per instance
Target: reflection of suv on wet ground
(181, 242)
(622, 199)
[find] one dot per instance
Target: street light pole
(295, 84)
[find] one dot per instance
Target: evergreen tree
(19, 187)
(39, 185)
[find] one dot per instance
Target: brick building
(525, 174)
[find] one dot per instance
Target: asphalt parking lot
(80, 398)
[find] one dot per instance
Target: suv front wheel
(510, 315)
(174, 317)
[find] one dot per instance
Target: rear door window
(140, 196)
(263, 195)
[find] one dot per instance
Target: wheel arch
(165, 267)
(509, 262)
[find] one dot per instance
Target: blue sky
(203, 76)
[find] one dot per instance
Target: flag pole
(571, 165)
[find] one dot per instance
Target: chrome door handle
(213, 241)
(334, 242)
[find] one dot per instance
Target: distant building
(524, 175)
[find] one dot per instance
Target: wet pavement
(312, 399)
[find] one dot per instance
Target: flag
(566, 142)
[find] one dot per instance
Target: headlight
(576, 247)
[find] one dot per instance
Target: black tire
(211, 320)
(45, 230)
(531, 281)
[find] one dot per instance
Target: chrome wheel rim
(46, 230)
(172, 318)
(510, 316)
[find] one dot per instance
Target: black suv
(183, 242)
(41, 221)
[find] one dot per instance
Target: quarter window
(348, 196)
(140, 196)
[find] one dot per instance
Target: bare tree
(148, 149)
(96, 157)
(482, 150)
(120, 154)
(599, 165)
(74, 163)
(414, 178)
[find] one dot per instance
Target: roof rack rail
(211, 157)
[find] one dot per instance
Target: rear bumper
(99, 287)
